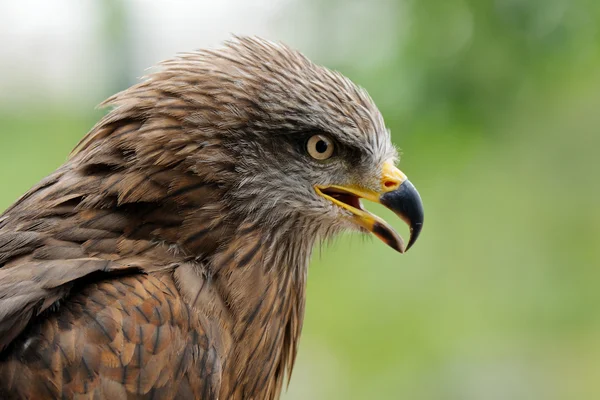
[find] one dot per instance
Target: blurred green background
(495, 105)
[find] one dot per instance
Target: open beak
(396, 193)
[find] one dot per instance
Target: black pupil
(321, 146)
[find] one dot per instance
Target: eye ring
(320, 147)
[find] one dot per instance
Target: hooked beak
(397, 193)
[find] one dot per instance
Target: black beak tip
(389, 238)
(407, 204)
(415, 231)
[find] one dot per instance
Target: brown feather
(160, 261)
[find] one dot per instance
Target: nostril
(390, 184)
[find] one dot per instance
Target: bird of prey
(167, 258)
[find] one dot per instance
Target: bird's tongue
(347, 198)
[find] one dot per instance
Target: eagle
(167, 257)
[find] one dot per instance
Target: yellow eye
(320, 147)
